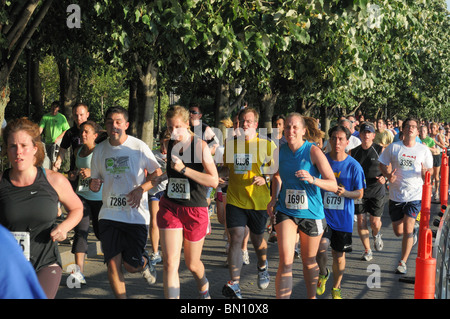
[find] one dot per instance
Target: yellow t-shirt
(246, 159)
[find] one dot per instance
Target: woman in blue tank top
(303, 169)
(92, 201)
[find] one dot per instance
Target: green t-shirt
(53, 126)
(428, 141)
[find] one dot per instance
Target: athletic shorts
(156, 197)
(397, 210)
(256, 220)
(311, 227)
(340, 241)
(193, 221)
(437, 160)
(374, 206)
(123, 238)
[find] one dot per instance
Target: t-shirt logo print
(117, 166)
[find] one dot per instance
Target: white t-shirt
(408, 161)
(122, 169)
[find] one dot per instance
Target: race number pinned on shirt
(333, 201)
(23, 239)
(117, 202)
(296, 199)
(179, 188)
(406, 161)
(83, 185)
(242, 163)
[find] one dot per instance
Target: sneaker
(378, 242)
(79, 277)
(367, 255)
(245, 257)
(401, 268)
(272, 237)
(231, 290)
(155, 258)
(297, 254)
(149, 272)
(204, 294)
(336, 293)
(322, 283)
(263, 277)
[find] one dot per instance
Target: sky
(448, 4)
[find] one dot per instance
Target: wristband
(183, 170)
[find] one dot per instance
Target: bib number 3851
(179, 188)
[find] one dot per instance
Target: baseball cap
(365, 126)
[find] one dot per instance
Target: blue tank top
(83, 184)
(298, 198)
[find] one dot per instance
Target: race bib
(83, 185)
(242, 163)
(178, 188)
(23, 239)
(296, 199)
(117, 202)
(333, 201)
(406, 162)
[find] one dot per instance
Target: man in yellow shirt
(249, 162)
(383, 136)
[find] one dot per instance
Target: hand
(259, 180)
(95, 184)
(304, 176)
(340, 191)
(58, 234)
(392, 177)
(85, 173)
(381, 180)
(134, 197)
(223, 182)
(177, 164)
(72, 175)
(271, 207)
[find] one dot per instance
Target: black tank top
(193, 161)
(32, 209)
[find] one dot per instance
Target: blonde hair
(178, 110)
(227, 122)
(312, 132)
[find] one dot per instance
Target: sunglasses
(194, 112)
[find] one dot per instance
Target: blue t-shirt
(18, 278)
(298, 198)
(339, 211)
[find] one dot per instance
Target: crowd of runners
(307, 190)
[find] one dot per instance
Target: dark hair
(116, 109)
(197, 105)
(277, 117)
(92, 124)
(32, 129)
(339, 128)
(409, 119)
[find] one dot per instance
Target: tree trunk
(267, 106)
(222, 102)
(69, 77)
(133, 108)
(36, 91)
(148, 81)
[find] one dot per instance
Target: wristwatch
(183, 170)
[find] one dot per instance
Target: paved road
(362, 280)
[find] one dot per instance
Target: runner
(119, 163)
(374, 195)
(183, 210)
(92, 201)
(248, 162)
(404, 164)
(29, 196)
(296, 199)
(339, 209)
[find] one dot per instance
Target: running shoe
(273, 237)
(155, 258)
(322, 283)
(367, 255)
(79, 277)
(149, 272)
(297, 254)
(231, 290)
(401, 268)
(263, 277)
(336, 293)
(245, 257)
(204, 294)
(378, 242)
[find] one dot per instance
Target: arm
(356, 194)
(328, 181)
(209, 177)
(134, 197)
(276, 188)
(71, 202)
